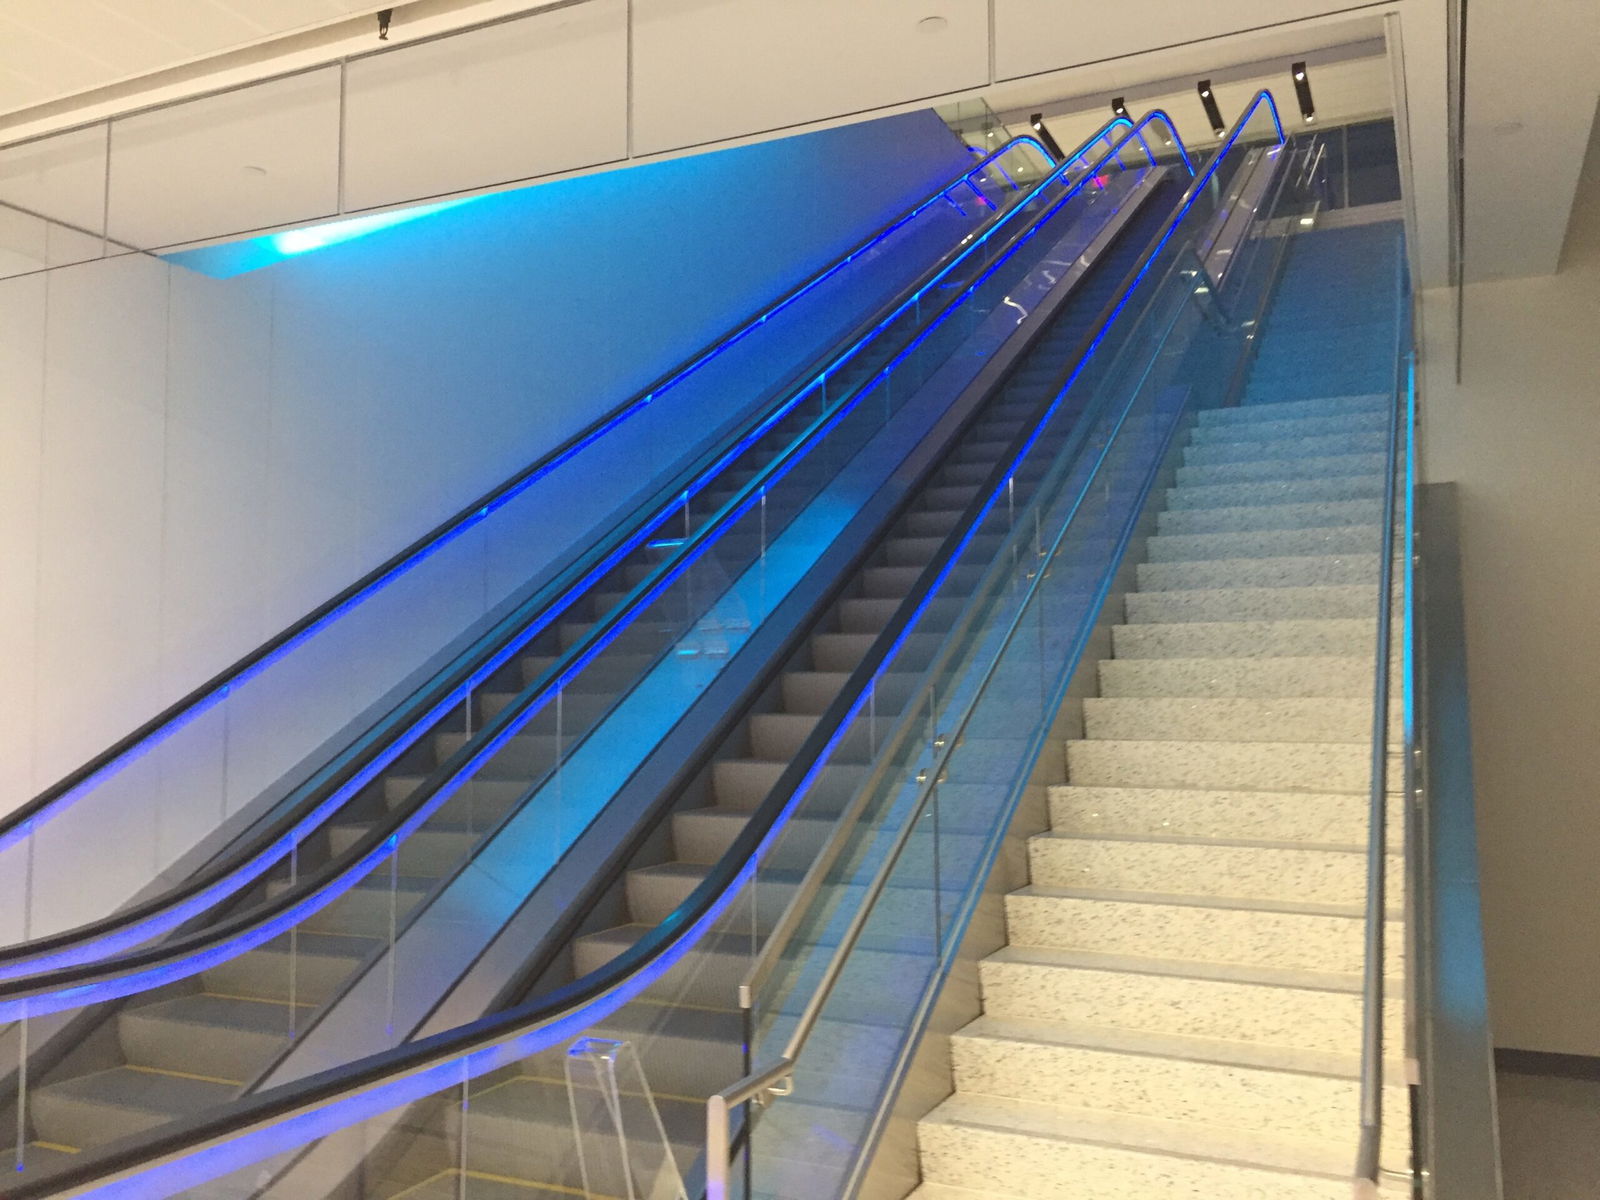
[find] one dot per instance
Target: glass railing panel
(186, 787)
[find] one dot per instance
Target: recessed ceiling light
(932, 24)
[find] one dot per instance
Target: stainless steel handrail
(1369, 1150)
(772, 1079)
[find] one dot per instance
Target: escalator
(185, 1050)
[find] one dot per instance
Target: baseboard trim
(1542, 1062)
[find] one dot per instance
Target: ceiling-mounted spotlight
(1118, 107)
(385, 15)
(1302, 92)
(1213, 113)
(1036, 122)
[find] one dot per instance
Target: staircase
(1177, 1012)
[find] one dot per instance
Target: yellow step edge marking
(452, 1173)
(56, 1146)
(184, 1075)
(256, 999)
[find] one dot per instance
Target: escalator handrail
(494, 1040)
(820, 744)
(120, 976)
(17, 823)
(309, 804)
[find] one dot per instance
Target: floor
(1549, 1136)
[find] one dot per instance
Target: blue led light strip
(135, 933)
(24, 821)
(416, 1076)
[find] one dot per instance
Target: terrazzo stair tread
(364, 909)
(1272, 470)
(1233, 574)
(1048, 1151)
(1283, 491)
(1349, 442)
(1270, 430)
(1229, 870)
(1262, 517)
(433, 851)
(945, 1191)
(1320, 818)
(492, 798)
(1227, 719)
(228, 1037)
(1322, 406)
(1308, 1010)
(703, 835)
(1220, 766)
(1336, 676)
(105, 1106)
(1148, 637)
(1211, 1072)
(1253, 605)
(1216, 929)
(1322, 540)
(322, 962)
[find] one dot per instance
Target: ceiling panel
(51, 48)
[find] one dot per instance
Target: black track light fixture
(1209, 101)
(385, 15)
(1302, 91)
(1119, 107)
(1036, 123)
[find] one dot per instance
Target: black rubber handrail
(465, 518)
(489, 1034)
(349, 762)
(253, 920)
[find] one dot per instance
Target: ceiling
(55, 48)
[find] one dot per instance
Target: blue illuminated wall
(193, 462)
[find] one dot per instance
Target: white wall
(188, 464)
(1521, 436)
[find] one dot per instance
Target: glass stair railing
(293, 979)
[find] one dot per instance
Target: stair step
(1258, 933)
(1338, 602)
(366, 909)
(1326, 818)
(1220, 766)
(1227, 719)
(1200, 867)
(1247, 1088)
(1282, 491)
(433, 851)
(226, 1037)
(1267, 430)
(1303, 1010)
(1266, 470)
(1200, 638)
(1044, 1152)
(1301, 571)
(1327, 406)
(703, 835)
(1347, 677)
(316, 964)
(1299, 543)
(1346, 442)
(1320, 514)
(106, 1106)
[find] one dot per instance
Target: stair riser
(1280, 1102)
(1219, 766)
(1323, 514)
(1250, 937)
(1267, 431)
(1299, 1018)
(1212, 452)
(1329, 570)
(1348, 678)
(1324, 818)
(1328, 406)
(1249, 495)
(1294, 543)
(1354, 602)
(1269, 470)
(1298, 638)
(1040, 1168)
(1239, 872)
